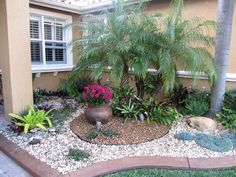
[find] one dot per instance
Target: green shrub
(109, 133)
(164, 115)
(92, 134)
(230, 100)
(178, 96)
(74, 85)
(34, 118)
(129, 110)
(197, 103)
(59, 116)
(213, 143)
(185, 136)
(77, 154)
(227, 117)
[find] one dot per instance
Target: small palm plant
(34, 119)
(185, 42)
(118, 43)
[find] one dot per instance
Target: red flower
(96, 94)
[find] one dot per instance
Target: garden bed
(57, 142)
(128, 132)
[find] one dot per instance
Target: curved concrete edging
(40, 169)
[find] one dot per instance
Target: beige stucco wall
(15, 55)
(206, 9)
(50, 80)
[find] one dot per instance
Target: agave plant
(185, 42)
(34, 119)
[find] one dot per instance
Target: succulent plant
(92, 134)
(78, 154)
(185, 136)
(109, 133)
(213, 143)
(232, 138)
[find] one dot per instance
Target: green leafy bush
(92, 134)
(34, 118)
(109, 133)
(197, 103)
(230, 100)
(227, 117)
(129, 110)
(178, 96)
(77, 154)
(164, 115)
(213, 143)
(74, 85)
(185, 136)
(59, 116)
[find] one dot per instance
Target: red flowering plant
(96, 94)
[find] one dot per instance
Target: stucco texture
(207, 9)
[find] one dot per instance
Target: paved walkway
(8, 168)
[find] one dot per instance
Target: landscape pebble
(54, 147)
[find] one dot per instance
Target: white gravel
(54, 147)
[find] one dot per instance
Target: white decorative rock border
(54, 147)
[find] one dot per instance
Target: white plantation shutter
(48, 30)
(50, 47)
(36, 48)
(59, 32)
(34, 29)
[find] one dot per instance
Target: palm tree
(223, 39)
(131, 39)
(183, 42)
(117, 43)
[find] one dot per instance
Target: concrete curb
(38, 168)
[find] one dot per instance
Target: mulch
(129, 132)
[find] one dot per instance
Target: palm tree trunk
(222, 51)
(125, 77)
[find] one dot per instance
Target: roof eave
(56, 5)
(74, 9)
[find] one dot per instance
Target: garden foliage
(218, 144)
(185, 136)
(152, 109)
(78, 154)
(197, 103)
(227, 115)
(33, 119)
(74, 85)
(132, 39)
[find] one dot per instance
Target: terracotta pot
(102, 113)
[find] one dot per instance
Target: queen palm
(183, 42)
(223, 40)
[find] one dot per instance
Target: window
(49, 41)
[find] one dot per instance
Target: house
(34, 40)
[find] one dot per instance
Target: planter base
(101, 114)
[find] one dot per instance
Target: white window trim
(55, 67)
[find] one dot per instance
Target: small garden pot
(102, 113)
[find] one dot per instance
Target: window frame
(67, 34)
